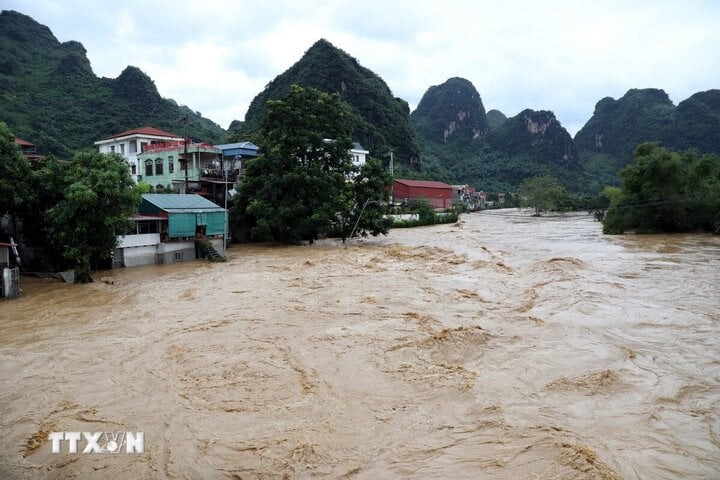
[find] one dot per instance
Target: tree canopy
(541, 194)
(76, 208)
(14, 174)
(97, 198)
(301, 184)
(666, 191)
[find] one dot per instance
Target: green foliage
(380, 120)
(369, 193)
(426, 214)
(666, 191)
(98, 198)
(143, 187)
(50, 96)
(298, 188)
(15, 188)
(75, 208)
(542, 194)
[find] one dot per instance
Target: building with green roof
(172, 228)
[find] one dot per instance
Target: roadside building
(233, 161)
(438, 194)
(131, 143)
(164, 166)
(234, 157)
(466, 195)
(172, 228)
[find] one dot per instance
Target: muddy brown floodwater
(502, 347)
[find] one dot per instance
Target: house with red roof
(28, 149)
(131, 143)
(437, 194)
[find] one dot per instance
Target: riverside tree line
(304, 185)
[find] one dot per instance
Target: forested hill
(50, 96)
(382, 120)
(462, 143)
(448, 111)
(648, 115)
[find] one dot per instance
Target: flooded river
(502, 347)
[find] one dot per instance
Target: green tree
(366, 205)
(15, 174)
(541, 194)
(666, 191)
(295, 190)
(96, 201)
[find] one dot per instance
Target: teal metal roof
(178, 203)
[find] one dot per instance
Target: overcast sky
(559, 55)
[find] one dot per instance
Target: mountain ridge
(50, 95)
(382, 122)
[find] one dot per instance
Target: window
(158, 166)
(171, 164)
(122, 148)
(133, 169)
(133, 146)
(178, 257)
(142, 146)
(148, 168)
(112, 148)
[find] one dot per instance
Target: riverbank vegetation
(72, 209)
(665, 191)
(304, 184)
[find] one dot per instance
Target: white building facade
(358, 154)
(129, 144)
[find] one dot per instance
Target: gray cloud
(563, 55)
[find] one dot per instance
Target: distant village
(186, 216)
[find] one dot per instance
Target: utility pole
(184, 120)
(225, 222)
(392, 166)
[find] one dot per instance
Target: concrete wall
(134, 256)
(146, 249)
(172, 252)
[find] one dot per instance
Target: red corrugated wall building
(438, 194)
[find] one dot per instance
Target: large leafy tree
(666, 191)
(301, 184)
(97, 198)
(15, 175)
(541, 194)
(75, 208)
(368, 195)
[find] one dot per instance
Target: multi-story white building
(129, 144)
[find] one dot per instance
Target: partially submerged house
(173, 228)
